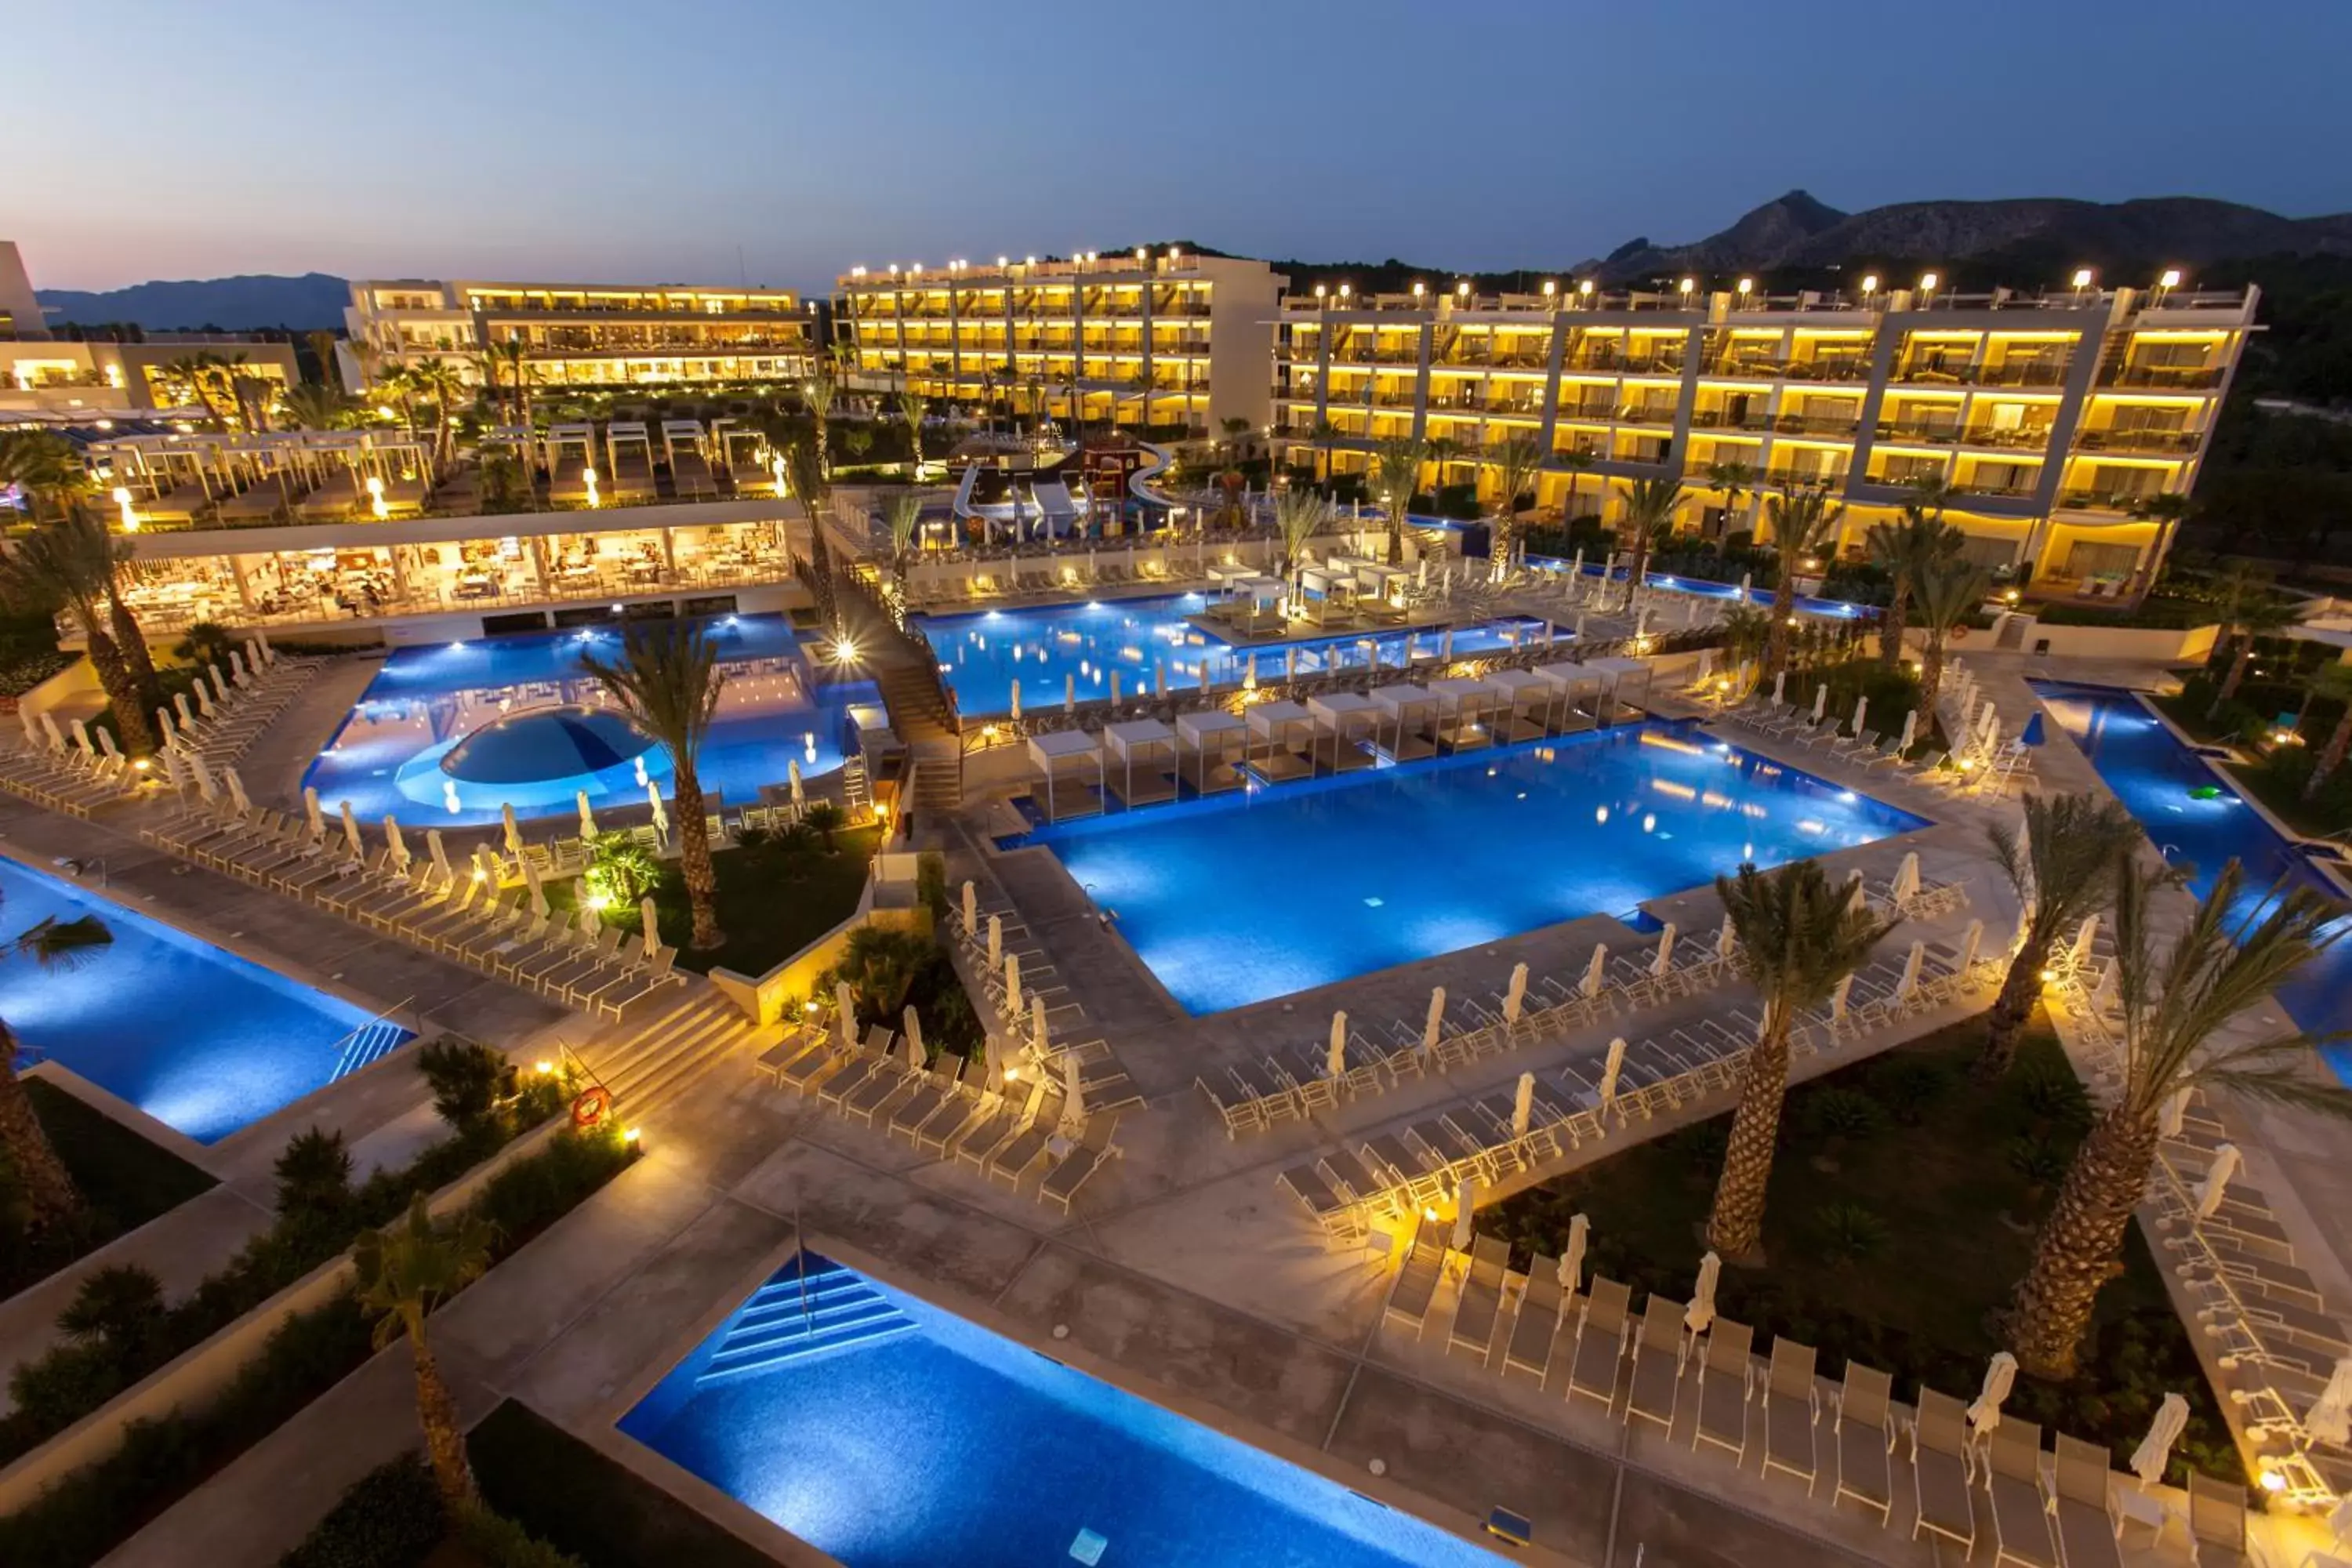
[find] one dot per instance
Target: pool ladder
(370, 1042)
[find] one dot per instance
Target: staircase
(935, 780)
(797, 1315)
(660, 1060)
(370, 1042)
(912, 695)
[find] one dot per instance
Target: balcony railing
(2185, 378)
(2036, 374)
(2138, 440)
(1816, 423)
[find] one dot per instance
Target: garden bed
(1904, 1201)
(773, 900)
(125, 1181)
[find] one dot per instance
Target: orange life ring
(596, 1102)
(1959, 634)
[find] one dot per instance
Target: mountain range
(2017, 241)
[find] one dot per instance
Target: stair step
(791, 1318)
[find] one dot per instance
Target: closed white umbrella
(175, 772)
(1116, 696)
(2148, 1460)
(2215, 1186)
(352, 832)
(179, 706)
(1746, 581)
(1596, 972)
(1465, 1212)
(1611, 1068)
(1069, 693)
(1663, 962)
(1013, 985)
(1906, 879)
(236, 666)
(913, 1036)
(32, 724)
(793, 775)
(204, 696)
(1726, 940)
(2329, 1420)
(2001, 1374)
(1571, 1257)
(315, 818)
(1159, 677)
(1040, 1038)
(1514, 999)
(970, 907)
(486, 869)
(2174, 1112)
(1249, 678)
(1446, 646)
(1074, 1090)
(438, 851)
(1335, 1054)
(1779, 685)
(1909, 981)
(514, 828)
(845, 1009)
(1016, 701)
(661, 813)
(106, 744)
(1861, 707)
(995, 940)
(204, 777)
(1523, 1105)
(1820, 701)
(538, 893)
(1854, 894)
(1701, 1310)
(2086, 936)
(1910, 731)
(649, 921)
(237, 797)
(220, 686)
(587, 816)
(81, 738)
(1435, 1022)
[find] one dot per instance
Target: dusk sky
(597, 141)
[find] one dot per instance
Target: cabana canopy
(1217, 741)
(1062, 752)
(1626, 681)
(1409, 710)
(1281, 726)
(1152, 745)
(1342, 719)
(1525, 700)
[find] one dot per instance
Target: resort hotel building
(1173, 342)
(578, 334)
(2061, 423)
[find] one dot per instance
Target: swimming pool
(2153, 774)
(1249, 895)
(200, 1040)
(1082, 646)
(890, 1433)
(444, 736)
(1707, 589)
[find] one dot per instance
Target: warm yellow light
(1318, 290)
(1013, 1075)
(2271, 1480)
(2171, 279)
(1928, 281)
(1462, 288)
(1343, 290)
(143, 764)
(1585, 288)
(845, 652)
(545, 1067)
(598, 901)
(479, 875)
(385, 411)
(2048, 975)
(881, 812)
(1550, 288)
(1004, 261)
(1418, 290)
(1870, 282)
(1745, 284)
(1688, 284)
(631, 1136)
(2082, 278)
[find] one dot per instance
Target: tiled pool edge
(603, 1419)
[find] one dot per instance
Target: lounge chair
(2080, 1507)
(1537, 1327)
(1066, 1175)
(930, 1095)
(973, 1098)
(998, 1126)
(1660, 1353)
(810, 1071)
(1941, 1471)
(1792, 1414)
(2021, 1519)
(1479, 1308)
(882, 1086)
(1600, 1342)
(2217, 1522)
(861, 1066)
(1416, 1280)
(1022, 1152)
(1725, 1380)
(797, 1043)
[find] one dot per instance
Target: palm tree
(318, 406)
(47, 467)
(1734, 479)
(1517, 462)
(906, 521)
(1649, 507)
(817, 394)
(1323, 434)
(1576, 462)
(438, 381)
(2176, 1006)
(49, 1192)
(911, 408)
(1235, 428)
(201, 373)
(1396, 476)
(2061, 869)
(2333, 682)
(403, 1271)
(805, 475)
(1943, 596)
(400, 385)
(1299, 516)
(510, 361)
(2251, 611)
(70, 563)
(1905, 549)
(1800, 935)
(1802, 520)
(667, 680)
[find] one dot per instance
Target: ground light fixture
(122, 500)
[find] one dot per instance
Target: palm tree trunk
(1396, 538)
(122, 694)
(2229, 682)
(445, 1435)
(48, 1186)
(694, 860)
(1735, 1227)
(136, 659)
(1891, 626)
(1784, 609)
(2081, 1246)
(1931, 676)
(2005, 1024)
(2331, 757)
(1639, 567)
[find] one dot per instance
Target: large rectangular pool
(202, 1040)
(1242, 897)
(890, 1434)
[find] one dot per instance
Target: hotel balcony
(2036, 372)
(2166, 377)
(2176, 441)
(1844, 426)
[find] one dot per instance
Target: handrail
(342, 1046)
(564, 1053)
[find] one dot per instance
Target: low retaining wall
(2147, 644)
(764, 998)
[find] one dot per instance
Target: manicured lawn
(573, 1498)
(1903, 1205)
(771, 904)
(125, 1181)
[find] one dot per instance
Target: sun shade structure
(1409, 718)
(1580, 694)
(1525, 704)
(1140, 761)
(1282, 741)
(1068, 766)
(1212, 748)
(1347, 728)
(1465, 708)
(1625, 683)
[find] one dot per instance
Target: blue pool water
(930, 1441)
(444, 735)
(200, 1040)
(983, 653)
(1759, 597)
(2152, 774)
(1249, 895)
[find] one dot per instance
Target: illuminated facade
(573, 334)
(2060, 422)
(1173, 341)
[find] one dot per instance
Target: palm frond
(60, 944)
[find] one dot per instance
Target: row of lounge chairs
(72, 781)
(953, 1109)
(457, 915)
(242, 710)
(986, 577)
(1103, 1083)
(1710, 1388)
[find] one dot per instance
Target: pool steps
(369, 1042)
(789, 1319)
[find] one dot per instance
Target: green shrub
(499, 1542)
(931, 882)
(1842, 1113)
(391, 1517)
(1909, 1086)
(1702, 1145)
(467, 1078)
(2054, 1097)
(1849, 1233)
(314, 1176)
(2040, 1161)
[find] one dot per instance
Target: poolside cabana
(1347, 728)
(1525, 704)
(1464, 706)
(631, 451)
(1408, 730)
(1326, 597)
(1215, 745)
(1061, 761)
(1145, 750)
(1282, 741)
(689, 464)
(571, 454)
(1580, 696)
(1624, 683)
